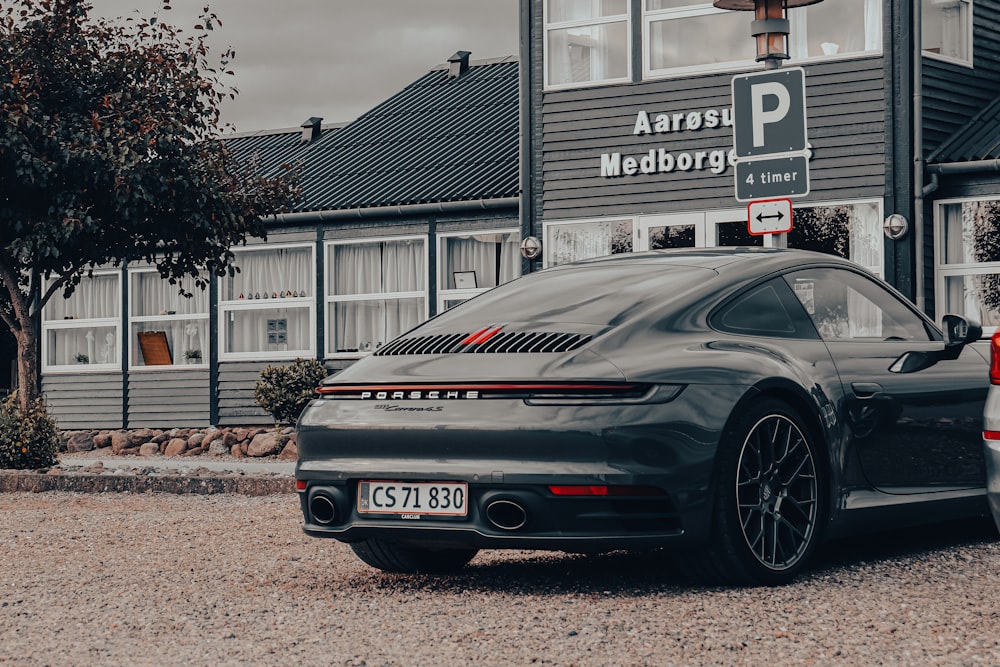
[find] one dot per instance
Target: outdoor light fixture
(531, 248)
(895, 226)
(770, 28)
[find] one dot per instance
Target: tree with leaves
(110, 152)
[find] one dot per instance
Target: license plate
(419, 498)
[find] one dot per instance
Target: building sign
(660, 160)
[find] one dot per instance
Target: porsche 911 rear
(554, 464)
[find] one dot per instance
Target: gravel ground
(163, 579)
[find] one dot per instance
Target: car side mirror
(959, 331)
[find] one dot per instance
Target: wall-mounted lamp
(895, 226)
(770, 28)
(531, 248)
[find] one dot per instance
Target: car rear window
(589, 294)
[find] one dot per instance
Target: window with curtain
(683, 36)
(156, 307)
(473, 263)
(83, 332)
(568, 242)
(586, 41)
(967, 260)
(852, 231)
(376, 290)
(946, 29)
(267, 309)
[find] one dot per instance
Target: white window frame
(445, 295)
(706, 225)
(585, 23)
(707, 9)
(966, 61)
(178, 356)
(114, 322)
(943, 270)
(694, 9)
(547, 246)
(331, 299)
(231, 306)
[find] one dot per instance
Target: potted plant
(81, 358)
(193, 356)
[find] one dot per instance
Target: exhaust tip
(322, 509)
(506, 515)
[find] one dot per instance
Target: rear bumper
(514, 515)
(992, 451)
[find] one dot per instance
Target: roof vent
(458, 64)
(311, 130)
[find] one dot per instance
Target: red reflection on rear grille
(481, 336)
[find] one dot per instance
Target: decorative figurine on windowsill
(82, 359)
(193, 356)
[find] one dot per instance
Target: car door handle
(866, 390)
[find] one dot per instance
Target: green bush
(284, 391)
(27, 441)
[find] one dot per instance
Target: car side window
(845, 305)
(764, 310)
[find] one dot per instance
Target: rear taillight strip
(995, 358)
(565, 388)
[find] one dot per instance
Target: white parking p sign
(769, 112)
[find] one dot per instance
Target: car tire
(769, 504)
(406, 558)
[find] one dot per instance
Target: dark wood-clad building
(629, 108)
(405, 211)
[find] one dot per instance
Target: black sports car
(736, 405)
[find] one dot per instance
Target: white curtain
(386, 268)
(866, 241)
(153, 295)
(264, 275)
(94, 298)
(873, 25)
(798, 37)
(258, 330)
(495, 258)
(267, 273)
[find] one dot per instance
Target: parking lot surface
(224, 579)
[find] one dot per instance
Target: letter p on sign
(769, 112)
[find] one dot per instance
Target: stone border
(12, 481)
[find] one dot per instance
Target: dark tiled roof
(440, 139)
(269, 150)
(977, 140)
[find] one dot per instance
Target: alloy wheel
(777, 492)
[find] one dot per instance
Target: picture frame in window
(155, 349)
(465, 279)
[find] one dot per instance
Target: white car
(991, 430)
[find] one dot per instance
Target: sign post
(769, 119)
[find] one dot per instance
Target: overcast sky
(334, 58)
